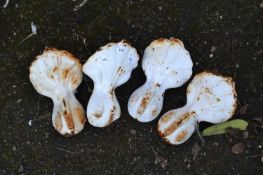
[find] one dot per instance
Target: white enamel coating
(56, 74)
(109, 67)
(210, 98)
(166, 64)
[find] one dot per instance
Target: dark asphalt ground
(234, 28)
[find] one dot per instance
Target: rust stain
(112, 113)
(55, 69)
(111, 92)
(64, 103)
(188, 90)
(177, 123)
(80, 115)
(208, 90)
(158, 85)
(120, 71)
(176, 41)
(69, 120)
(167, 116)
(133, 100)
(58, 122)
(154, 112)
(181, 136)
(160, 39)
(126, 42)
(98, 115)
(50, 75)
(65, 73)
(74, 80)
(144, 102)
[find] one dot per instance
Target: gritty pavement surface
(223, 36)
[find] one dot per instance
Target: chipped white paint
(56, 74)
(210, 98)
(166, 64)
(109, 67)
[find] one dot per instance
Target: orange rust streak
(55, 69)
(167, 117)
(58, 122)
(80, 115)
(144, 102)
(74, 80)
(181, 136)
(177, 123)
(69, 120)
(65, 73)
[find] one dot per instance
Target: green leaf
(221, 127)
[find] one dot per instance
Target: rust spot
(177, 123)
(64, 103)
(218, 99)
(167, 116)
(50, 49)
(74, 80)
(55, 69)
(208, 91)
(50, 75)
(120, 70)
(181, 136)
(65, 73)
(174, 72)
(112, 112)
(161, 40)
(69, 120)
(58, 122)
(80, 115)
(144, 102)
(126, 42)
(98, 115)
(154, 112)
(158, 85)
(175, 41)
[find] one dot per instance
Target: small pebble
(188, 166)
(14, 148)
(259, 146)
(21, 169)
(19, 100)
(30, 122)
(211, 55)
(262, 159)
(213, 49)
